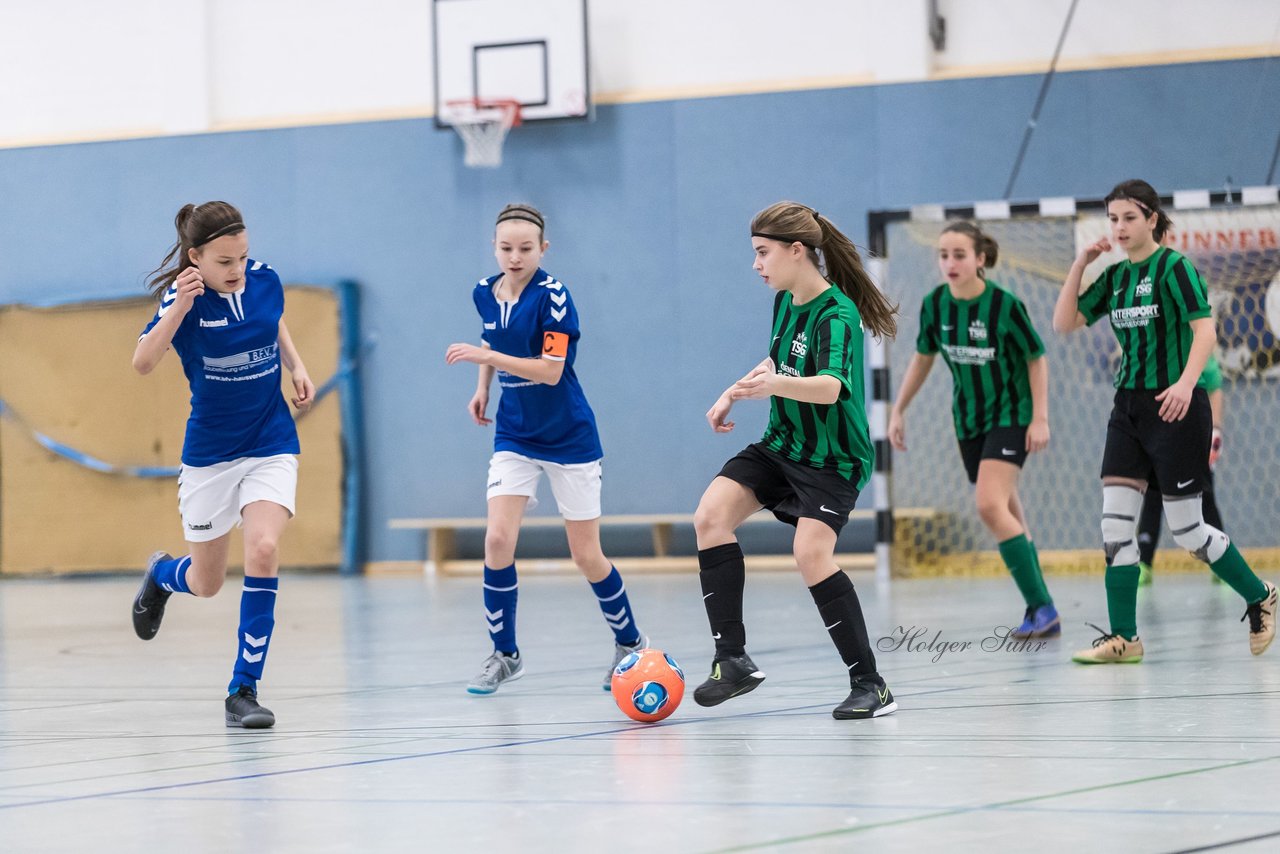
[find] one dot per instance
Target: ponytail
(196, 226)
(840, 262)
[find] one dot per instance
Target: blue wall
(648, 209)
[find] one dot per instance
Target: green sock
(1020, 556)
(1122, 600)
(1035, 555)
(1232, 569)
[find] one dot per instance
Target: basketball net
(483, 126)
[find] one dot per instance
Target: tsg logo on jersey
(799, 344)
(1144, 287)
(977, 331)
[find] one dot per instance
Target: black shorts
(1141, 446)
(792, 490)
(1001, 443)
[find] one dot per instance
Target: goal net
(1234, 246)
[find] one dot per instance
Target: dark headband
(780, 239)
(527, 216)
(1122, 198)
(229, 228)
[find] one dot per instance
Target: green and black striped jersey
(1211, 376)
(986, 342)
(822, 337)
(1151, 305)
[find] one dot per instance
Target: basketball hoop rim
(511, 110)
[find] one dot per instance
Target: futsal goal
(1231, 237)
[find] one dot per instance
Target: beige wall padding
(66, 371)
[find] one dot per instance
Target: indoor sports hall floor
(109, 744)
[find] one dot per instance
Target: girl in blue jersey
(223, 314)
(543, 426)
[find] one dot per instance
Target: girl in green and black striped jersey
(815, 456)
(1000, 400)
(1160, 424)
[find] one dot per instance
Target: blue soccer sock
(171, 575)
(257, 619)
(616, 607)
(501, 590)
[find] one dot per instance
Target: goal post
(1231, 237)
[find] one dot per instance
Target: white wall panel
(1014, 33)
(85, 69)
(319, 58)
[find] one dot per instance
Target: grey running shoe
(620, 652)
(497, 668)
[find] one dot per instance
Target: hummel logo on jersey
(208, 323)
(1007, 452)
(497, 482)
(1181, 484)
(207, 526)
(491, 325)
(1144, 287)
(946, 328)
(978, 331)
(799, 344)
(825, 509)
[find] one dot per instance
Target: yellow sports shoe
(1111, 649)
(1262, 621)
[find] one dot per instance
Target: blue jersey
(546, 422)
(230, 351)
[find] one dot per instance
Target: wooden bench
(441, 545)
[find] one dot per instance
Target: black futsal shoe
(148, 605)
(730, 677)
(870, 698)
(243, 710)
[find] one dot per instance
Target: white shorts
(210, 498)
(576, 486)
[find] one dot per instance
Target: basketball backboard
(532, 51)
